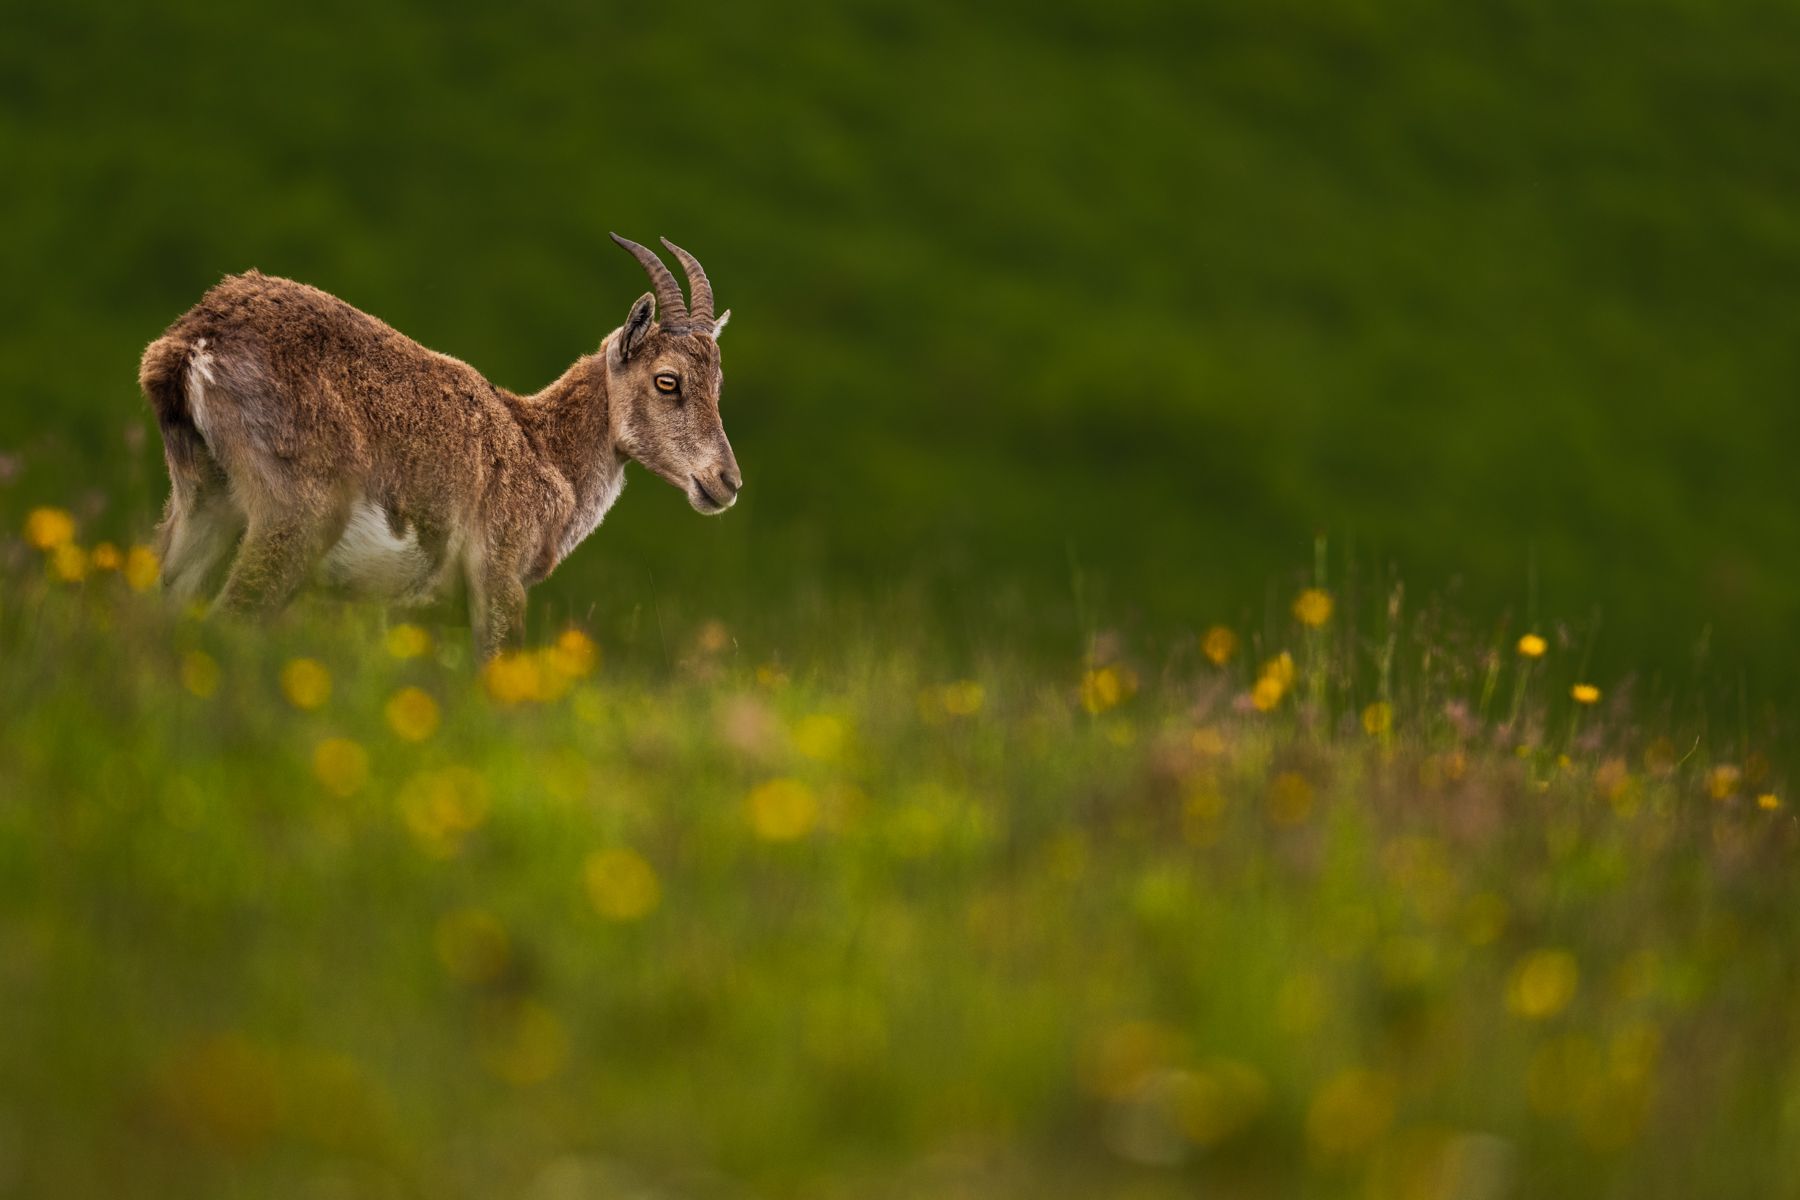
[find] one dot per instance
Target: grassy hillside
(998, 802)
(318, 910)
(1499, 294)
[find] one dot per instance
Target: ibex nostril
(731, 481)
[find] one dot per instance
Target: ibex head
(663, 380)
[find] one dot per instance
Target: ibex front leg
(496, 606)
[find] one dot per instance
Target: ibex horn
(671, 309)
(698, 285)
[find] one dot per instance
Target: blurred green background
(1039, 308)
(1052, 322)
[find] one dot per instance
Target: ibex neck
(571, 422)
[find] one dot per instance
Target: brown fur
(286, 413)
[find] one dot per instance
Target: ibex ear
(637, 326)
(719, 325)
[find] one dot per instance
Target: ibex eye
(667, 383)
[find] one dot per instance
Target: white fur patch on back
(370, 560)
(199, 374)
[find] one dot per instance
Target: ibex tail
(163, 376)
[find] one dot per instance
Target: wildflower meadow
(1350, 905)
(1254, 657)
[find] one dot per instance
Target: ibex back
(322, 445)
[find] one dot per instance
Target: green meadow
(1256, 656)
(1360, 910)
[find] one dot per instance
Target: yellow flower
(341, 765)
(782, 810)
(1612, 779)
(1633, 1051)
(514, 679)
(408, 641)
(1116, 1061)
(574, 655)
(412, 714)
(1722, 781)
(1105, 688)
(819, 736)
(918, 827)
(48, 528)
(1585, 693)
(199, 673)
(1100, 690)
(1542, 984)
(1312, 607)
(1533, 646)
(1208, 741)
(1768, 801)
(1218, 644)
(142, 569)
(1378, 718)
(440, 808)
(306, 683)
(106, 557)
(542, 675)
(620, 884)
(1267, 693)
(1276, 678)
(1350, 1112)
(1281, 669)
(964, 698)
(68, 562)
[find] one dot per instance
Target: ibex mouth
(710, 500)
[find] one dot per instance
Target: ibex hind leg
(281, 546)
(201, 522)
(194, 543)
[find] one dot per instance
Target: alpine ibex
(323, 444)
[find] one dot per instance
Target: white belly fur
(370, 560)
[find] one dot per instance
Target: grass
(1478, 288)
(1052, 876)
(1352, 903)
